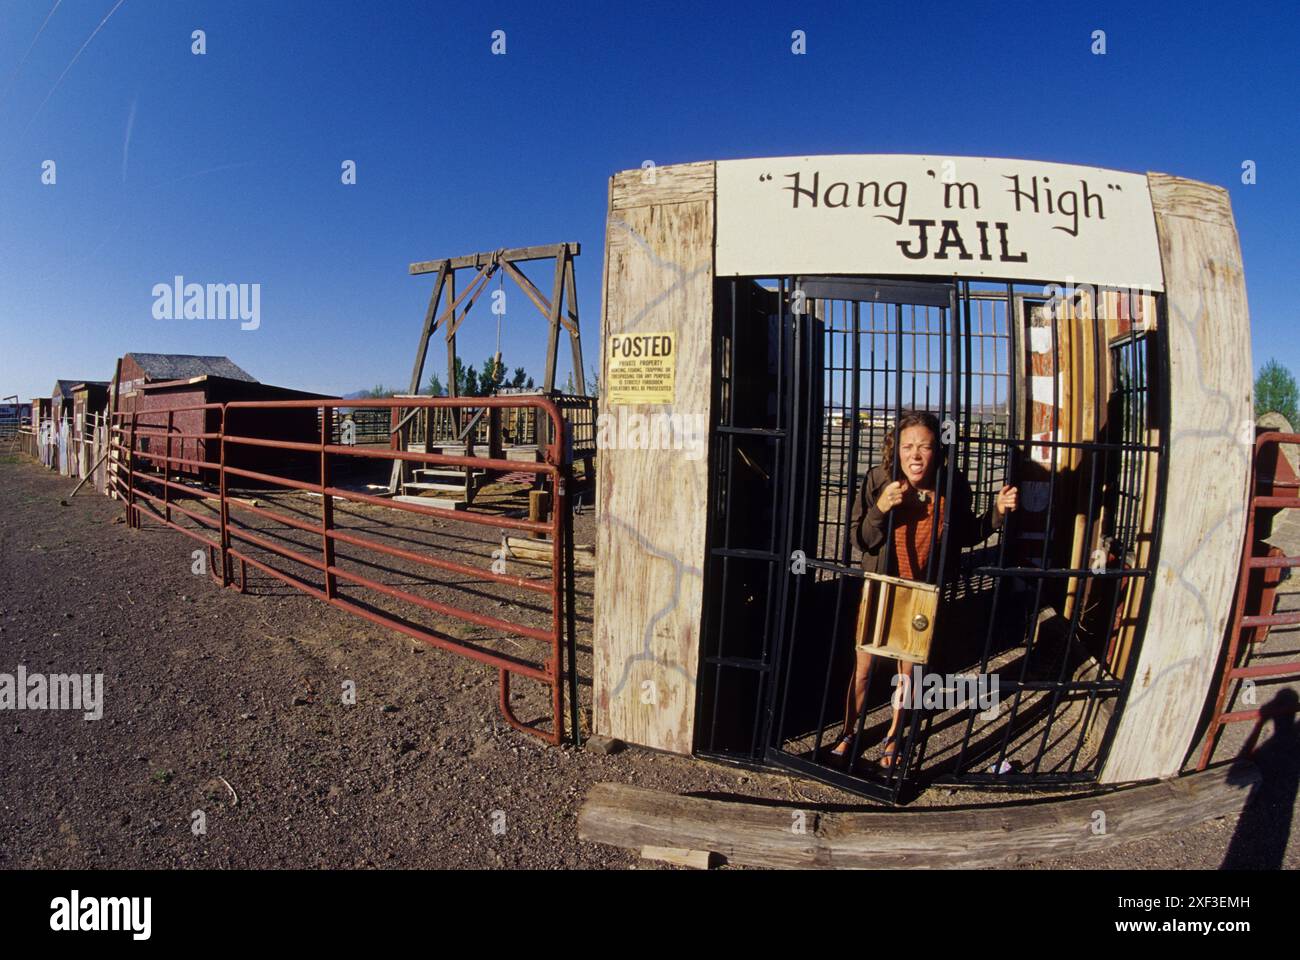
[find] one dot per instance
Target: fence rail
(155, 479)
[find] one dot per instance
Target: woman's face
(916, 453)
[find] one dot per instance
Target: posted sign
(937, 216)
(641, 367)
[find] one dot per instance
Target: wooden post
(539, 507)
(452, 391)
(553, 334)
(1211, 418)
(402, 469)
(650, 537)
(575, 341)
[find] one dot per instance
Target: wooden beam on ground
(523, 548)
(515, 254)
(997, 835)
(696, 859)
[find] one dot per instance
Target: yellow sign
(640, 368)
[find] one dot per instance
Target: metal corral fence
(360, 425)
(173, 476)
(518, 425)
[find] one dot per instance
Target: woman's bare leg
(900, 700)
(856, 697)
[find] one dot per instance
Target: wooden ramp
(1001, 835)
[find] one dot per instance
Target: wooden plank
(400, 470)
(427, 329)
(678, 183)
(553, 331)
(997, 835)
(514, 254)
(696, 859)
(483, 280)
(569, 317)
(652, 505)
(540, 551)
(1207, 478)
(451, 340)
(528, 287)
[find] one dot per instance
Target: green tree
(517, 381)
(461, 378)
(1276, 391)
(435, 386)
(491, 376)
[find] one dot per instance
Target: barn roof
(183, 366)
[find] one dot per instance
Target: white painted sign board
(888, 214)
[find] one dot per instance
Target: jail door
(867, 351)
(813, 373)
(1036, 621)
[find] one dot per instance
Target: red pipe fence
(201, 441)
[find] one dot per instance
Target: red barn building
(150, 384)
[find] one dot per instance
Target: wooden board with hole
(896, 618)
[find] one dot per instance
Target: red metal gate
(186, 463)
(1274, 488)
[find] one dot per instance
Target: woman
(916, 505)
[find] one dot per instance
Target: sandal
(890, 758)
(839, 753)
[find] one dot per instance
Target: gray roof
(64, 387)
(182, 366)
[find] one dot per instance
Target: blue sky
(226, 167)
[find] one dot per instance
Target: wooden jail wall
(1209, 392)
(652, 510)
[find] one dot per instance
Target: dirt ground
(227, 709)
